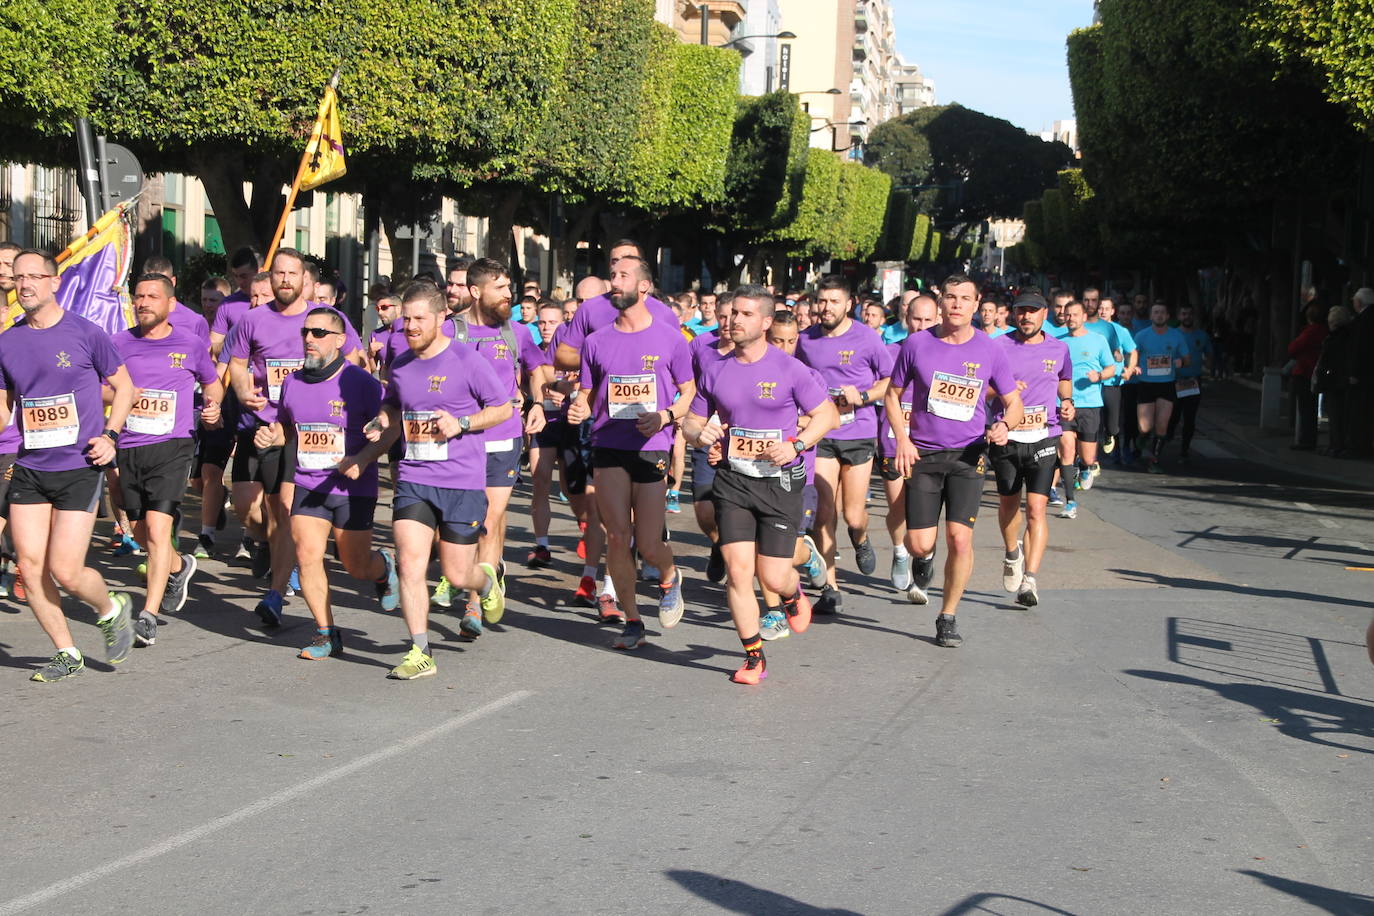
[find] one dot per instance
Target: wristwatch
(863, 397)
(464, 424)
(799, 445)
(113, 434)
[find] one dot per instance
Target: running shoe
(900, 574)
(1109, 446)
(674, 502)
(128, 547)
(145, 631)
(1056, 500)
(471, 624)
(670, 603)
(389, 591)
(752, 671)
(585, 596)
(1085, 479)
(205, 547)
(494, 602)
(17, 588)
(60, 667)
(773, 625)
(715, 565)
(443, 594)
(1028, 595)
(608, 611)
(175, 597)
(415, 664)
(648, 573)
(632, 637)
(539, 557)
(142, 569)
(269, 610)
(326, 644)
(1013, 569)
(582, 548)
(293, 584)
(865, 557)
(1070, 509)
(830, 602)
(6, 580)
(946, 633)
(798, 612)
(262, 559)
(815, 564)
(119, 629)
(245, 551)
(922, 571)
(1152, 466)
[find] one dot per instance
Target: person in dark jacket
(1361, 394)
(1305, 349)
(1331, 380)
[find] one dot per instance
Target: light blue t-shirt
(999, 332)
(1057, 331)
(1121, 344)
(1199, 347)
(1160, 354)
(1089, 353)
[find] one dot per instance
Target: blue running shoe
(128, 547)
(293, 585)
(389, 591)
(814, 565)
(471, 624)
(328, 643)
(269, 610)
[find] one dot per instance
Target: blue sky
(1001, 57)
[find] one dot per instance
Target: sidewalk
(1230, 417)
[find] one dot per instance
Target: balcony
(861, 20)
(860, 48)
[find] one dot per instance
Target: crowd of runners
(775, 405)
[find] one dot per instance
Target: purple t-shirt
(456, 380)
(948, 384)
(559, 413)
(703, 341)
(1040, 367)
(507, 366)
(598, 312)
(54, 377)
(758, 403)
(188, 319)
(857, 357)
(328, 419)
(165, 372)
(230, 311)
(887, 439)
(630, 374)
(271, 342)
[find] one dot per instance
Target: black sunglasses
(318, 333)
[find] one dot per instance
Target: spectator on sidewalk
(1361, 394)
(1305, 349)
(1331, 380)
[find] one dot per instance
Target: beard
(623, 301)
(315, 362)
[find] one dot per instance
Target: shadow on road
(1338, 903)
(1307, 717)
(985, 903)
(737, 897)
(1136, 575)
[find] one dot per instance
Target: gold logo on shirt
(971, 369)
(1050, 365)
(846, 357)
(502, 351)
(64, 360)
(336, 408)
(649, 363)
(766, 391)
(436, 382)
(176, 359)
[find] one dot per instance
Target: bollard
(1271, 399)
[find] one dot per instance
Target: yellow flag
(324, 154)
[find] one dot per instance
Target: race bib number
(954, 397)
(632, 396)
(50, 422)
(319, 446)
(1159, 365)
(906, 420)
(424, 440)
(842, 405)
(747, 450)
(1032, 427)
(277, 371)
(154, 412)
(1188, 387)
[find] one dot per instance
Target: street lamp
(820, 92)
(783, 35)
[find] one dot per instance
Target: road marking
(1327, 522)
(19, 904)
(1306, 507)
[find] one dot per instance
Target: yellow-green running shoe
(494, 602)
(443, 594)
(415, 664)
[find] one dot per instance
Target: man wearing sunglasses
(264, 350)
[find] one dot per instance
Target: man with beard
(636, 374)
(265, 348)
(856, 367)
(597, 311)
(325, 406)
(165, 360)
(52, 366)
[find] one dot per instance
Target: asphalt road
(1185, 725)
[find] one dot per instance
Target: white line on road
(1306, 507)
(1327, 522)
(19, 904)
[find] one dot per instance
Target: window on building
(55, 207)
(214, 239)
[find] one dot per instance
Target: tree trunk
(501, 226)
(221, 173)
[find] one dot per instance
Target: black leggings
(1111, 410)
(1185, 415)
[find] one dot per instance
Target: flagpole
(315, 136)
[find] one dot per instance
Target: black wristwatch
(464, 424)
(113, 434)
(863, 397)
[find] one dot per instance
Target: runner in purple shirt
(1043, 371)
(637, 378)
(156, 448)
(758, 393)
(707, 348)
(949, 369)
(856, 367)
(547, 449)
(441, 396)
(265, 349)
(598, 312)
(52, 366)
(325, 406)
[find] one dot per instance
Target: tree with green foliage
(55, 52)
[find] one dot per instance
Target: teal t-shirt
(1121, 342)
(1199, 347)
(1160, 354)
(1089, 353)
